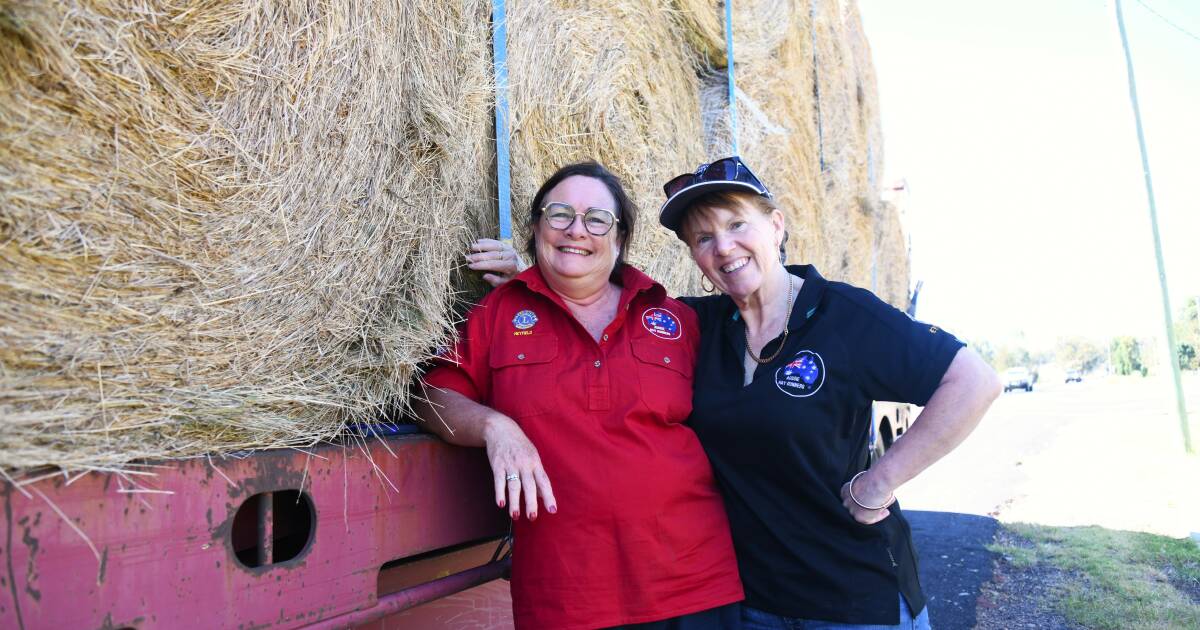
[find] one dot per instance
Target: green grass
(1114, 579)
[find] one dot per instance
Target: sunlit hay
(846, 225)
(865, 105)
(891, 247)
(612, 81)
(889, 262)
(759, 27)
(228, 225)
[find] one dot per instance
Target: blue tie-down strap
(381, 429)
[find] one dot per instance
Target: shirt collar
(633, 282)
(808, 300)
(810, 293)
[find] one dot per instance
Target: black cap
(724, 174)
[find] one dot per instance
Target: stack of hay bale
(229, 225)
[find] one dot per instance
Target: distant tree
(1011, 356)
(1042, 358)
(1187, 357)
(1127, 356)
(1187, 334)
(1077, 352)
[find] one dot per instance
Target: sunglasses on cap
(730, 169)
(729, 174)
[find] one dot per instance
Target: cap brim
(673, 209)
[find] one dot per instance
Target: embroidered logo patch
(802, 376)
(525, 320)
(661, 323)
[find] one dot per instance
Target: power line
(1168, 22)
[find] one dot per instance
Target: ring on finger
(512, 477)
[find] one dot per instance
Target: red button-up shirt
(641, 532)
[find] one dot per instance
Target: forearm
(953, 412)
(454, 417)
(516, 466)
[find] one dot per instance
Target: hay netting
(808, 123)
(237, 225)
(227, 225)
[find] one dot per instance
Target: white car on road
(1018, 378)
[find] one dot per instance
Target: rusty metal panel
(165, 559)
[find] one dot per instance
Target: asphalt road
(954, 564)
(1103, 452)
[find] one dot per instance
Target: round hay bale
(229, 228)
(610, 81)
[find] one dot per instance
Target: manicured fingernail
(553, 509)
(516, 516)
(533, 516)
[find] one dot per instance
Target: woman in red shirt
(580, 371)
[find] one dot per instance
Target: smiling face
(574, 256)
(735, 244)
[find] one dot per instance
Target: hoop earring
(708, 289)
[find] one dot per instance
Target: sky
(1011, 122)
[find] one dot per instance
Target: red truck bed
(339, 538)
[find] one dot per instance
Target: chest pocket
(523, 373)
(665, 373)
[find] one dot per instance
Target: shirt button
(666, 359)
(597, 363)
(521, 357)
(605, 338)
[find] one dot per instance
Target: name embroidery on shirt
(661, 323)
(523, 321)
(802, 376)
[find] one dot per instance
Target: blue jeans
(754, 619)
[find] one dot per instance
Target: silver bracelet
(891, 497)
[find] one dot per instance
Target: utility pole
(1172, 350)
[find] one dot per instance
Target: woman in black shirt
(789, 364)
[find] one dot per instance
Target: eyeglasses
(597, 221)
(730, 169)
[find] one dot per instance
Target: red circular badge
(662, 323)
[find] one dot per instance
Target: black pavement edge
(953, 563)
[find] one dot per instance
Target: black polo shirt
(783, 446)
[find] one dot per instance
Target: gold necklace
(785, 331)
